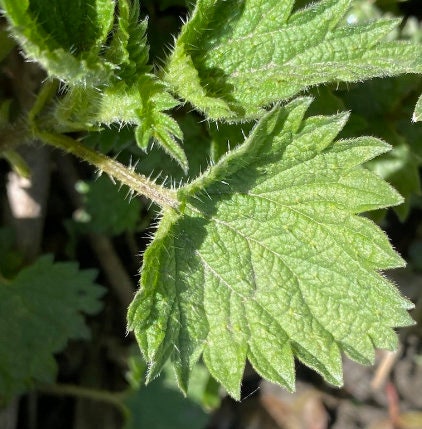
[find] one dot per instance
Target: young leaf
(268, 260)
(261, 53)
(128, 47)
(154, 123)
(40, 310)
(142, 104)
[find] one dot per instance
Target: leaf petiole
(139, 183)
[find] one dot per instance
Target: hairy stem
(139, 183)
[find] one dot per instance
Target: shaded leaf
(10, 259)
(6, 44)
(40, 310)
(386, 113)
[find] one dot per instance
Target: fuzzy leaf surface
(128, 46)
(142, 104)
(261, 53)
(268, 259)
(40, 310)
(64, 36)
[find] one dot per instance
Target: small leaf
(141, 104)
(128, 47)
(165, 130)
(268, 259)
(155, 124)
(261, 53)
(196, 145)
(40, 310)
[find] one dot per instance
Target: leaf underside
(261, 53)
(269, 260)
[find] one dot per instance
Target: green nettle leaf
(154, 124)
(40, 310)
(65, 36)
(128, 47)
(261, 53)
(146, 403)
(142, 104)
(417, 115)
(268, 259)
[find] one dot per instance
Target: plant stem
(139, 183)
(86, 392)
(47, 92)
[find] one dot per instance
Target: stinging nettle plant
(264, 256)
